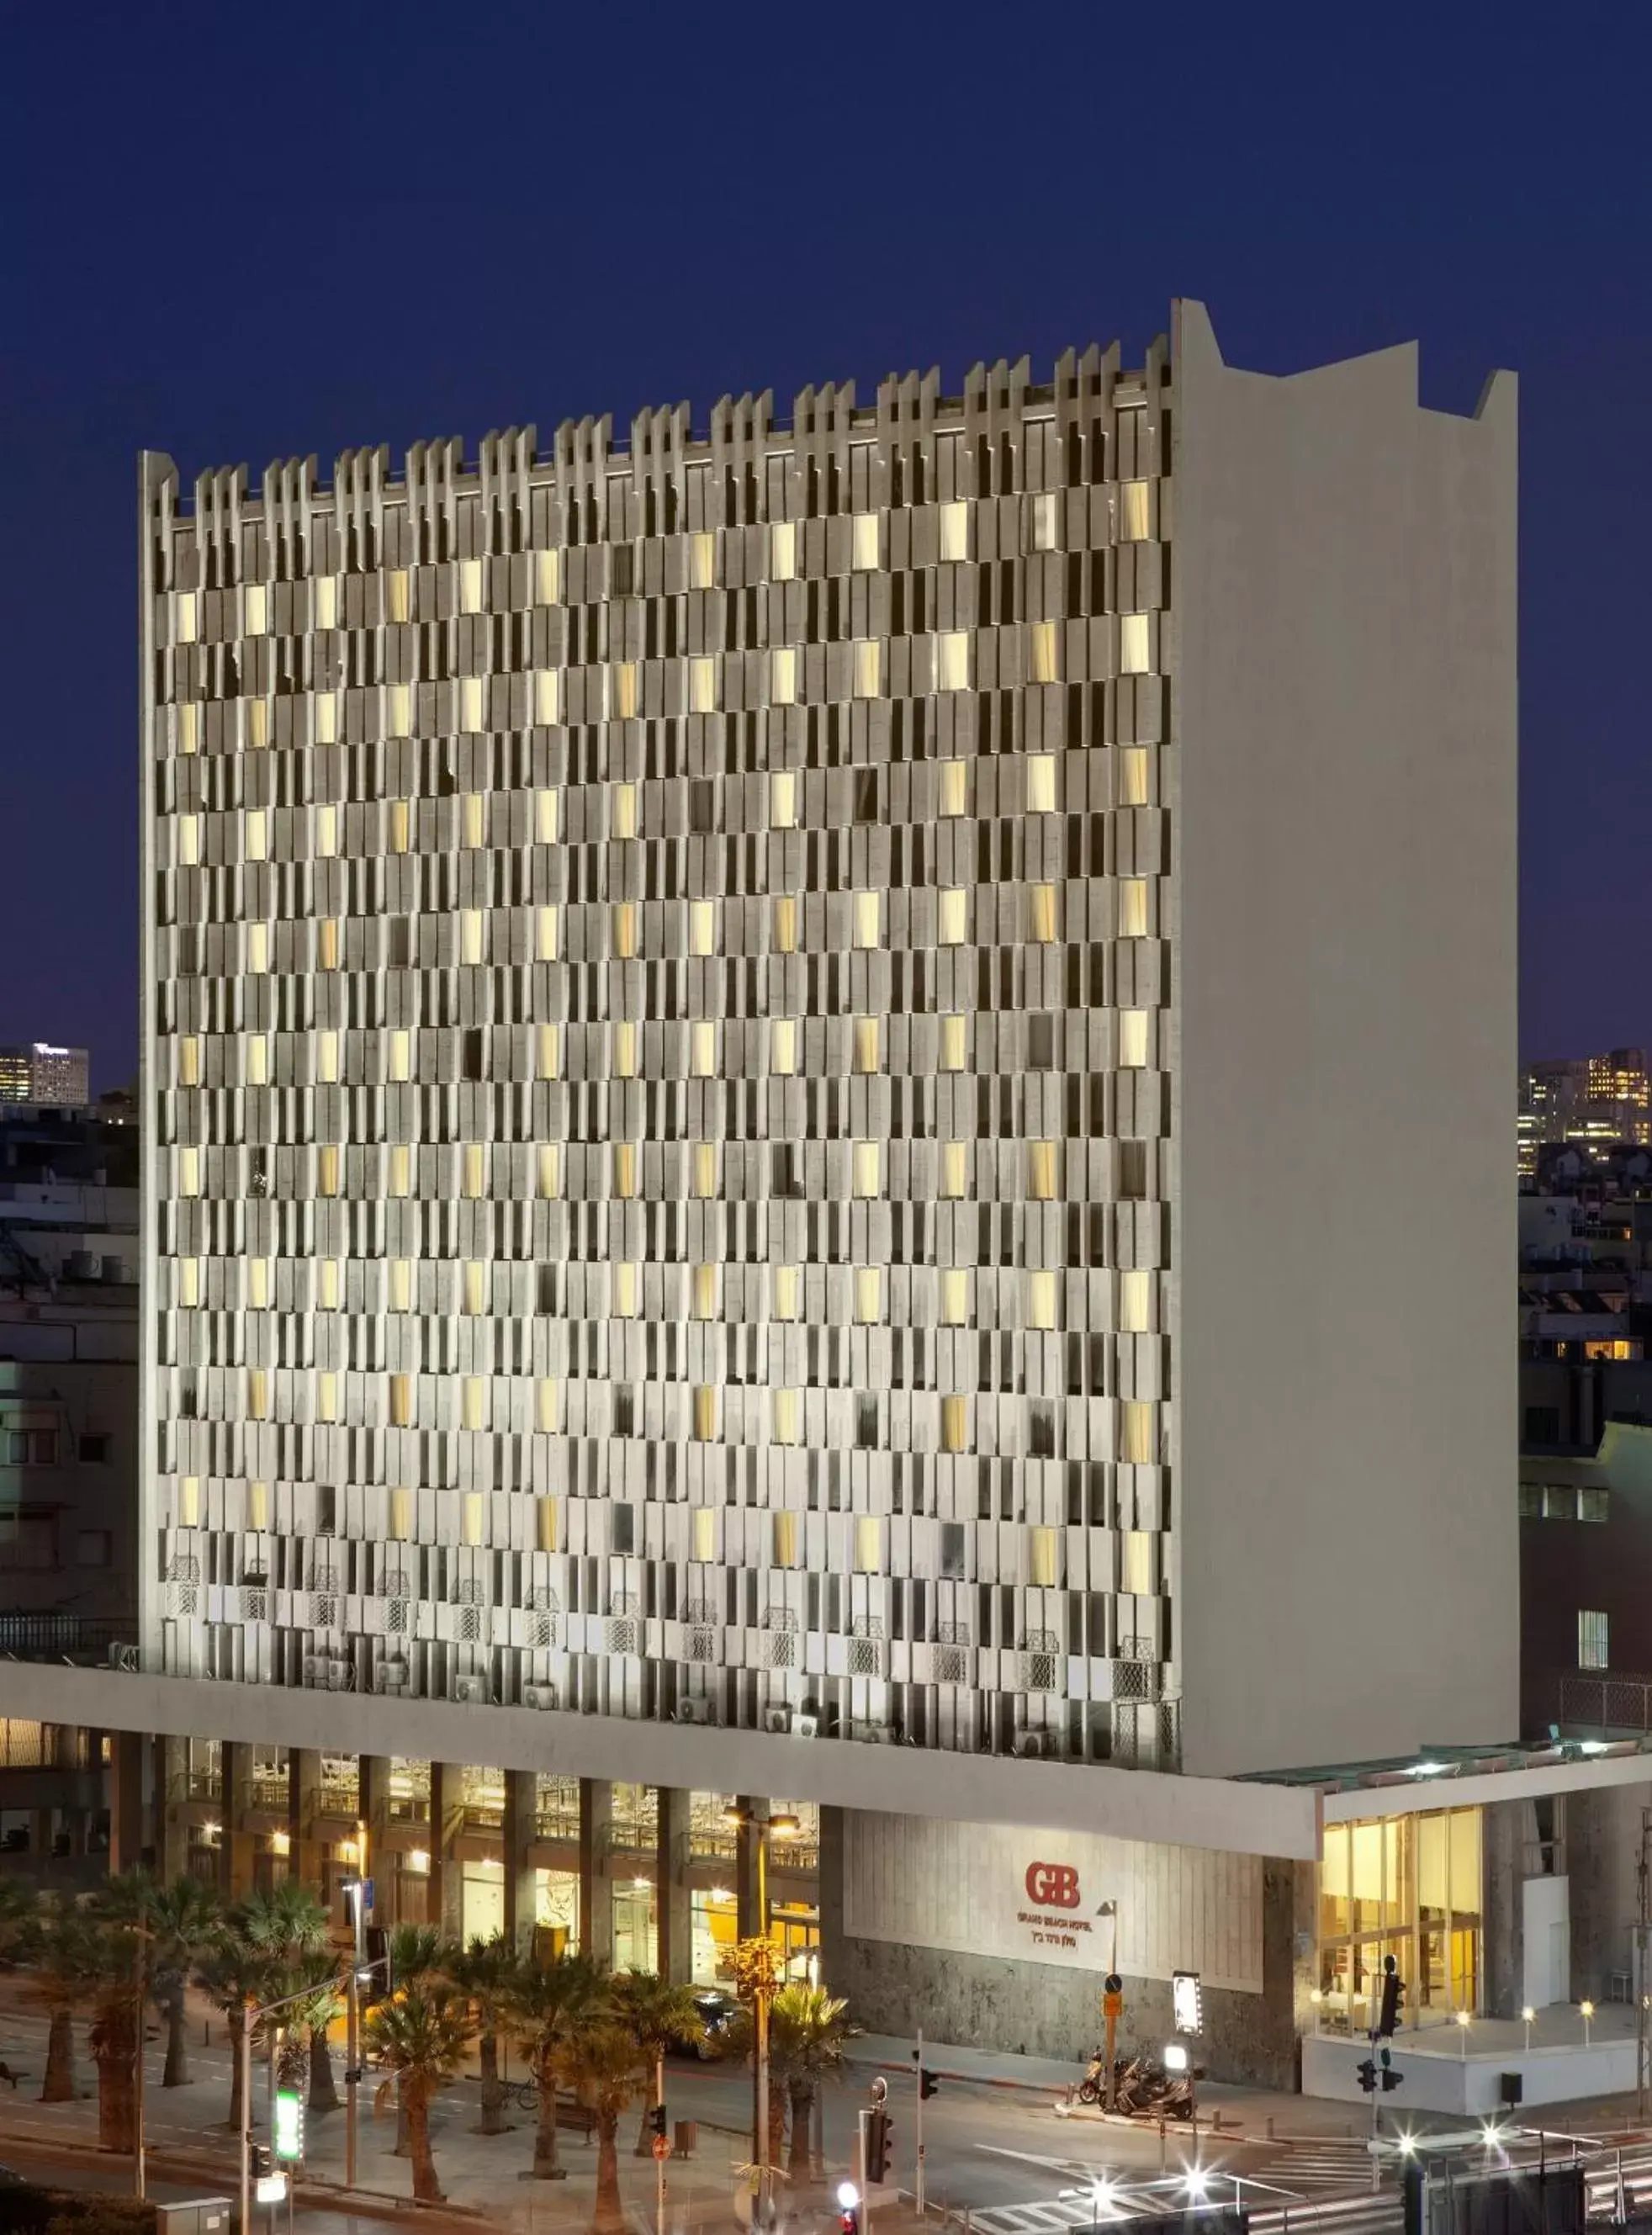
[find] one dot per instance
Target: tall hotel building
(783, 1135)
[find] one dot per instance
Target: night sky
(246, 232)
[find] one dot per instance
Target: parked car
(716, 2011)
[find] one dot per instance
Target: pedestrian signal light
(288, 2130)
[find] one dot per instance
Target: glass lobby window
(1404, 1886)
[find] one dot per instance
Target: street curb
(965, 2079)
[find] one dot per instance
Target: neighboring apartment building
(47, 1077)
(717, 1015)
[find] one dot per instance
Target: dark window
(94, 1548)
(473, 1055)
(623, 1529)
(1040, 1430)
(31, 1447)
(400, 943)
(625, 1412)
(866, 795)
(1542, 1424)
(866, 1424)
(96, 1451)
(1133, 1171)
(1040, 1042)
(27, 1540)
(951, 1550)
(702, 807)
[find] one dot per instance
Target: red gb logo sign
(1053, 1885)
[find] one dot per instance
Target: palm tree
(20, 1910)
(656, 2015)
(553, 2000)
(807, 2030)
(310, 2019)
(66, 1956)
(602, 2064)
(486, 1971)
(292, 1927)
(183, 1918)
(117, 1920)
(230, 1970)
(417, 1951)
(422, 2033)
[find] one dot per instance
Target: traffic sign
(662, 2145)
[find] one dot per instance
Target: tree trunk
(776, 2119)
(609, 2216)
(803, 2104)
(175, 2072)
(236, 2017)
(403, 2126)
(324, 2095)
(58, 2086)
(115, 2045)
(425, 2187)
(493, 2093)
(546, 2166)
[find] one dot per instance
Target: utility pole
(1643, 1982)
(244, 2053)
(143, 1999)
(917, 2179)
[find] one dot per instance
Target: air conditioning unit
(539, 1695)
(694, 1711)
(392, 1677)
(875, 1733)
(125, 1658)
(777, 1719)
(326, 1672)
(1032, 1745)
(804, 1727)
(471, 1689)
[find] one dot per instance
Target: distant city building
(1596, 1097)
(46, 1077)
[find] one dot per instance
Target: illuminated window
(401, 826)
(547, 930)
(189, 1502)
(395, 586)
(954, 1169)
(184, 617)
(547, 817)
(470, 709)
(786, 1410)
(327, 1397)
(1040, 784)
(471, 935)
(1135, 1301)
(783, 676)
(1042, 1560)
(258, 1394)
(327, 1169)
(329, 1284)
(705, 1292)
(470, 585)
(470, 1516)
(867, 667)
(1592, 1635)
(1135, 511)
(625, 1287)
(1138, 1566)
(1135, 654)
(547, 697)
(954, 1043)
(1132, 776)
(326, 830)
(475, 1288)
(869, 1294)
(702, 926)
(257, 947)
(624, 1049)
(954, 787)
(548, 1180)
(624, 1171)
(189, 1171)
(1042, 923)
(702, 685)
(702, 562)
(868, 1544)
(399, 710)
(400, 1401)
(952, 661)
(474, 1170)
(259, 1286)
(327, 1058)
(866, 1160)
(702, 1049)
(1041, 1301)
(1044, 521)
(702, 1525)
(1139, 1442)
(327, 943)
(783, 552)
(1043, 653)
(785, 924)
(326, 725)
(188, 1282)
(189, 1061)
(255, 835)
(547, 577)
(473, 820)
(1040, 1171)
(955, 533)
(546, 1408)
(399, 1054)
(188, 720)
(705, 1410)
(864, 544)
(401, 1171)
(954, 1297)
(868, 927)
(545, 1523)
(255, 724)
(258, 1504)
(625, 930)
(866, 1043)
(401, 1516)
(787, 1286)
(704, 1170)
(625, 690)
(954, 917)
(782, 801)
(1132, 907)
(1132, 1039)
(782, 1047)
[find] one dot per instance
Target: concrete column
(447, 1874)
(374, 1770)
(171, 1789)
(521, 1827)
(833, 1964)
(748, 1923)
(40, 1834)
(304, 1805)
(596, 1858)
(673, 1914)
(237, 1844)
(75, 1823)
(126, 1840)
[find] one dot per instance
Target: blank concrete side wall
(1345, 734)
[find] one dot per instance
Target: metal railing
(1607, 1703)
(62, 1637)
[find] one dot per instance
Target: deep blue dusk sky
(239, 233)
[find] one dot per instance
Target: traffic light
(928, 2085)
(259, 2162)
(657, 2120)
(287, 2131)
(879, 2132)
(1393, 1995)
(1391, 2079)
(1367, 2075)
(848, 2210)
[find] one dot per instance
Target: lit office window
(783, 676)
(1040, 784)
(702, 686)
(471, 935)
(783, 552)
(954, 1297)
(1135, 511)
(1133, 1040)
(782, 801)
(702, 562)
(952, 661)
(869, 1294)
(1135, 643)
(866, 1167)
(953, 912)
(782, 1047)
(1591, 1641)
(1045, 667)
(955, 533)
(547, 574)
(867, 668)
(954, 787)
(864, 544)
(702, 926)
(868, 919)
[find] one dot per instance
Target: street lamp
(755, 1972)
(1463, 2023)
(1527, 2017)
(1586, 2010)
